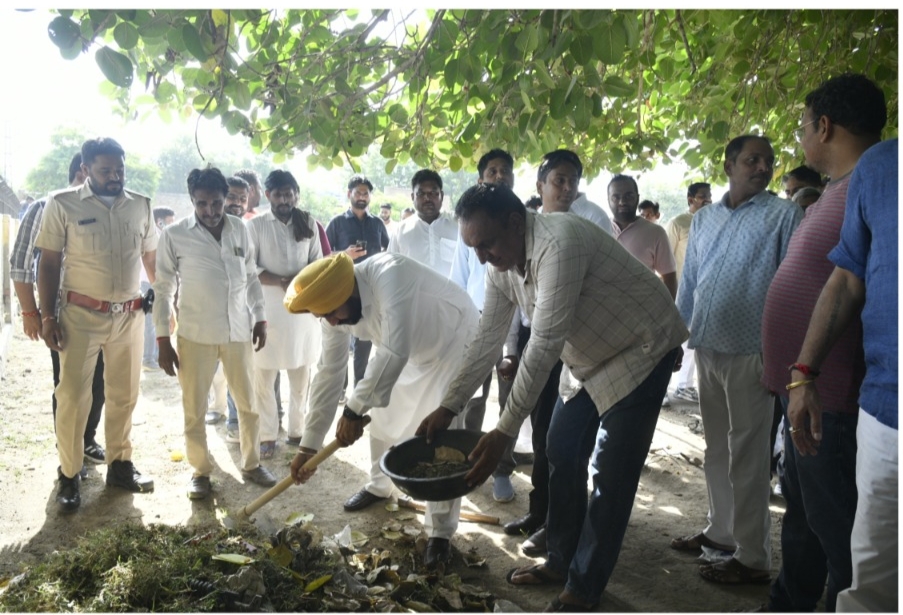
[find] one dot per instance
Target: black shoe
(199, 487)
(94, 453)
(523, 459)
(438, 551)
(259, 475)
(68, 496)
(361, 500)
(293, 441)
(527, 524)
(535, 545)
(124, 475)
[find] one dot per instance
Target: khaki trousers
(736, 415)
(85, 334)
(197, 363)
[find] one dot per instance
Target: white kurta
(420, 323)
(293, 340)
(431, 244)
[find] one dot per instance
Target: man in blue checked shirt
(735, 247)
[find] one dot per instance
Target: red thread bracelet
(805, 370)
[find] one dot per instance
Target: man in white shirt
(429, 237)
(283, 241)
(616, 328)
(558, 183)
(210, 254)
(385, 214)
(419, 322)
(495, 166)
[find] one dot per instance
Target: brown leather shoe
(361, 500)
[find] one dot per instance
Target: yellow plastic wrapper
(176, 455)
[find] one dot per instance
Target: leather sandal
(538, 574)
(696, 542)
(732, 572)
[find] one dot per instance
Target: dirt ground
(649, 576)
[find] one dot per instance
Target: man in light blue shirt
(735, 248)
(495, 166)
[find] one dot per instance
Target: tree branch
(683, 33)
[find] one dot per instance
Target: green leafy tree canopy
(624, 88)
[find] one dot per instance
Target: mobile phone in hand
(361, 243)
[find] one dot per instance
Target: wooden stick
(465, 516)
(286, 482)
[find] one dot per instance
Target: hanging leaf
(126, 35)
(63, 32)
(193, 42)
(116, 67)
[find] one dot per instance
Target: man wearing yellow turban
(420, 322)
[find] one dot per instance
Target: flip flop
(539, 573)
(733, 572)
(557, 606)
(696, 542)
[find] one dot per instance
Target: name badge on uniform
(87, 221)
(239, 252)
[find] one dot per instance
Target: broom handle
(464, 515)
(286, 482)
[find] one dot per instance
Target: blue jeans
(584, 537)
(820, 492)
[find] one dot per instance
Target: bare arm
(839, 303)
(31, 324)
(670, 280)
(48, 287)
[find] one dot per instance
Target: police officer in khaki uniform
(93, 240)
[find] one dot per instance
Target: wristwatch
(351, 415)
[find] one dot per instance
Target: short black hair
(491, 155)
(359, 180)
(249, 175)
(696, 187)
(620, 177)
(280, 178)
(647, 204)
(494, 200)
(852, 101)
(238, 182)
(386, 206)
(161, 213)
(553, 160)
(409, 210)
(210, 178)
(804, 174)
(92, 148)
(534, 202)
(425, 175)
(736, 145)
(75, 166)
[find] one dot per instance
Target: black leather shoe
(361, 500)
(124, 475)
(68, 496)
(199, 487)
(527, 524)
(438, 551)
(535, 545)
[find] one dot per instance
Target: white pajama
(265, 401)
(874, 541)
(686, 377)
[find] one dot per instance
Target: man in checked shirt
(615, 327)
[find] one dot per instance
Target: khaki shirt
(101, 246)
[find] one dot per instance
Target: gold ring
(794, 429)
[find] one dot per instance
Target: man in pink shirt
(645, 240)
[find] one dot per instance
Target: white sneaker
(687, 394)
(666, 403)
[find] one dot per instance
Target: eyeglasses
(801, 131)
